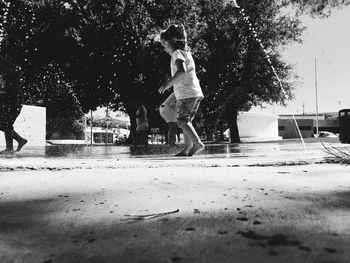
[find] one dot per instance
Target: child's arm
(178, 76)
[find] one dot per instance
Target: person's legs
(145, 138)
(138, 138)
(21, 141)
(196, 144)
(10, 112)
(185, 112)
(142, 134)
(172, 133)
(167, 112)
(178, 133)
(9, 142)
(188, 145)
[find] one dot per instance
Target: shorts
(186, 109)
(167, 109)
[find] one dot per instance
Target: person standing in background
(142, 124)
(167, 112)
(10, 104)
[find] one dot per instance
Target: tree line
(78, 55)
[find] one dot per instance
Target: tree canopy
(321, 8)
(93, 53)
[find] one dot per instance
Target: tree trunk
(209, 133)
(231, 117)
(132, 116)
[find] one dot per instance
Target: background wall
(30, 124)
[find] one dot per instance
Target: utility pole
(316, 97)
(85, 130)
(107, 125)
(92, 135)
(303, 107)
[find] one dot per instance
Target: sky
(327, 40)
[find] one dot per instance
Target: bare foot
(21, 144)
(197, 147)
(182, 153)
(185, 151)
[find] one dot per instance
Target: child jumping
(187, 90)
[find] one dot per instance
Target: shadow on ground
(40, 230)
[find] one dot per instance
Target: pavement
(263, 202)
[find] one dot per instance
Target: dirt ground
(204, 209)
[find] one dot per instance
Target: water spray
(299, 132)
(254, 33)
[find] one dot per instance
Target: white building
(100, 134)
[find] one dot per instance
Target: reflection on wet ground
(160, 151)
(112, 152)
(82, 151)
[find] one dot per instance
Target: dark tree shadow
(30, 233)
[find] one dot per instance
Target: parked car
(327, 134)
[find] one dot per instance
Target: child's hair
(176, 35)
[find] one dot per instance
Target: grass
(341, 155)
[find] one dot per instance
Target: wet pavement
(280, 153)
(223, 150)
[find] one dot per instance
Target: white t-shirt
(189, 86)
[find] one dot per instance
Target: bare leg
(21, 141)
(172, 133)
(193, 136)
(188, 144)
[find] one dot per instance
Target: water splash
(256, 37)
(253, 33)
(268, 59)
